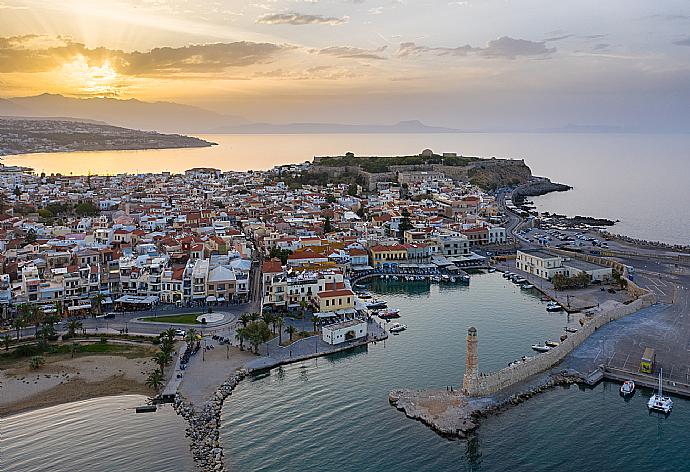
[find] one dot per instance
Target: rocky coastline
(535, 187)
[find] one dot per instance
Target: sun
(93, 80)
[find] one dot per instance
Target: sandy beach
(64, 380)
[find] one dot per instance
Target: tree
(30, 236)
(6, 341)
(352, 190)
(59, 309)
(291, 330)
(74, 349)
(73, 326)
(170, 334)
(96, 303)
(162, 359)
(267, 318)
(17, 191)
(245, 319)
(241, 336)
(314, 320)
(258, 333)
(192, 336)
(86, 209)
(327, 227)
(330, 199)
(404, 225)
(280, 329)
(36, 362)
(254, 316)
(18, 323)
(155, 380)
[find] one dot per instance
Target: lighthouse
(472, 361)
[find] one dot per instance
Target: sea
(639, 179)
(332, 413)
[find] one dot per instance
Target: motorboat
(397, 327)
(375, 304)
(364, 295)
(527, 286)
(551, 344)
(540, 348)
(568, 329)
(519, 361)
(445, 277)
(628, 388)
(658, 402)
(553, 306)
(389, 313)
(492, 270)
(507, 275)
(519, 280)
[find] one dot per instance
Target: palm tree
(73, 326)
(314, 320)
(191, 336)
(155, 380)
(18, 323)
(241, 335)
(245, 319)
(74, 348)
(58, 308)
(268, 318)
(291, 330)
(6, 341)
(162, 359)
(303, 305)
(169, 333)
(167, 347)
(96, 302)
(279, 324)
(254, 317)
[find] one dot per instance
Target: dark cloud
(348, 52)
(299, 19)
(41, 54)
(504, 47)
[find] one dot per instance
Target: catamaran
(658, 401)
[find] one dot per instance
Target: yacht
(389, 313)
(397, 327)
(658, 402)
(553, 306)
(540, 348)
(628, 388)
(375, 304)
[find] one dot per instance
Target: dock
(646, 380)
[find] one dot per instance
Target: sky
(474, 64)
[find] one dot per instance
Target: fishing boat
(527, 287)
(568, 329)
(364, 295)
(397, 327)
(492, 270)
(628, 388)
(540, 348)
(375, 304)
(553, 306)
(389, 313)
(658, 402)
(551, 344)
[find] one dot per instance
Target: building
(336, 300)
(546, 265)
(345, 331)
(387, 255)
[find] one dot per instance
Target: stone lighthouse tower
(472, 362)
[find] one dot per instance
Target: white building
(545, 264)
(345, 331)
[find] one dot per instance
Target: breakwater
(203, 426)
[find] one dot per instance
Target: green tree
(155, 380)
(86, 209)
(280, 322)
(245, 319)
(30, 236)
(6, 341)
(404, 225)
(327, 227)
(291, 330)
(258, 333)
(161, 359)
(97, 303)
(192, 336)
(170, 334)
(73, 326)
(241, 336)
(36, 362)
(330, 199)
(314, 320)
(19, 323)
(74, 349)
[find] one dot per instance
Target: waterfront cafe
(135, 303)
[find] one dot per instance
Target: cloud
(32, 53)
(504, 47)
(347, 52)
(299, 19)
(682, 42)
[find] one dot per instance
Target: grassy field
(183, 318)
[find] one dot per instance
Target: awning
(325, 315)
(221, 299)
(107, 301)
(79, 307)
(211, 298)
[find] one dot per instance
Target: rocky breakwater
(203, 428)
(453, 414)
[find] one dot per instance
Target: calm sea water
(638, 179)
(101, 434)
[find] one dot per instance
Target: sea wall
(488, 384)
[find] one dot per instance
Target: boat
(389, 313)
(658, 402)
(492, 270)
(445, 277)
(551, 344)
(452, 279)
(507, 275)
(519, 280)
(146, 409)
(365, 295)
(376, 303)
(527, 286)
(397, 327)
(540, 348)
(628, 388)
(553, 306)
(568, 329)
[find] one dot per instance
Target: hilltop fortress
(486, 173)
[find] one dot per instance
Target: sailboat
(658, 401)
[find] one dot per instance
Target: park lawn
(184, 318)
